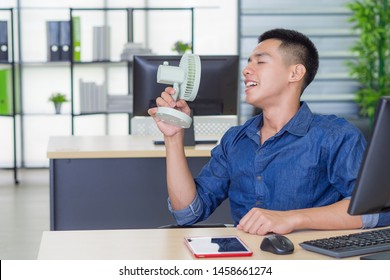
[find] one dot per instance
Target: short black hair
(298, 47)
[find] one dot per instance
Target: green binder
(5, 91)
(76, 38)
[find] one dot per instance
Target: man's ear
(298, 71)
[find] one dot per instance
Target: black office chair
(363, 124)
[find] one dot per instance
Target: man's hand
(260, 221)
(166, 100)
(334, 216)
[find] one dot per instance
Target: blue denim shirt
(312, 161)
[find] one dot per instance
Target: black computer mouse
(277, 244)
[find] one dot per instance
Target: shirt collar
(298, 125)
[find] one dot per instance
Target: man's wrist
(175, 140)
(299, 220)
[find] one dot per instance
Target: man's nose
(247, 70)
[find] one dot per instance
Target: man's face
(266, 75)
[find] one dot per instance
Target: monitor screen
(218, 89)
(372, 191)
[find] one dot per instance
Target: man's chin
(250, 101)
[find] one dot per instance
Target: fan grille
(192, 66)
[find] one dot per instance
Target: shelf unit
(40, 78)
(326, 24)
(10, 64)
(107, 65)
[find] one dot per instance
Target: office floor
(24, 213)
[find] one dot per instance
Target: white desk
(126, 146)
(159, 244)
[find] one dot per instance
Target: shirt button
(259, 178)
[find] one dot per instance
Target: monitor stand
(377, 256)
(189, 133)
(189, 136)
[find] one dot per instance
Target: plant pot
(57, 107)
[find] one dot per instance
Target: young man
(283, 170)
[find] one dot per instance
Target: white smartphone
(217, 246)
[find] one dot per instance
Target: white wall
(215, 24)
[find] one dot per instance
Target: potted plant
(58, 98)
(371, 68)
(181, 47)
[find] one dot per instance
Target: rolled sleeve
(189, 215)
(370, 221)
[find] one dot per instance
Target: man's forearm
(181, 186)
(329, 217)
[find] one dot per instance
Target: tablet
(218, 246)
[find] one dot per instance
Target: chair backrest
(203, 125)
(363, 124)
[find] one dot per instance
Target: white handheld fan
(185, 79)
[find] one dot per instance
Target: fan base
(174, 117)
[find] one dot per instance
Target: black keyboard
(365, 242)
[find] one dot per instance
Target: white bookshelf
(40, 78)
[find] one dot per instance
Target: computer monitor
(372, 191)
(218, 89)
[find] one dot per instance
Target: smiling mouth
(250, 84)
